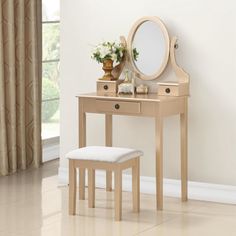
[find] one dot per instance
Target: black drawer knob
(117, 106)
(105, 87)
(167, 90)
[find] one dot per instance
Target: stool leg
(118, 194)
(81, 183)
(91, 188)
(136, 186)
(72, 188)
(108, 181)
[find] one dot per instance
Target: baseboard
(51, 152)
(196, 190)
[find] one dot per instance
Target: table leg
(184, 151)
(159, 163)
(108, 127)
(82, 143)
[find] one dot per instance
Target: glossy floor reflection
(32, 204)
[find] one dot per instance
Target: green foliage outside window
(50, 68)
(51, 72)
(50, 82)
(51, 41)
(49, 108)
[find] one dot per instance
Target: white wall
(207, 34)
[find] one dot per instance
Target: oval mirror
(149, 38)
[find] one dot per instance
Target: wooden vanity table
(149, 105)
(150, 38)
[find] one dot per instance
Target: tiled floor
(31, 204)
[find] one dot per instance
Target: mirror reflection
(151, 44)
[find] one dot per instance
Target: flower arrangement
(108, 51)
(111, 50)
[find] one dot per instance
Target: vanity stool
(105, 158)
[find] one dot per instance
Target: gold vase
(108, 67)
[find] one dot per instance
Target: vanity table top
(153, 97)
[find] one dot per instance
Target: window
(50, 68)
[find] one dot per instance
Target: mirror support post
(182, 75)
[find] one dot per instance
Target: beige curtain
(20, 85)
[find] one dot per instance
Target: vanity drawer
(173, 89)
(168, 90)
(118, 107)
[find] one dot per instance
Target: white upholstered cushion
(101, 153)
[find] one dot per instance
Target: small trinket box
(142, 89)
(126, 88)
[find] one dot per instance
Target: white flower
(113, 57)
(113, 50)
(104, 52)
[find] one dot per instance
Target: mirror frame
(130, 40)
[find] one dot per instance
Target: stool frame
(117, 167)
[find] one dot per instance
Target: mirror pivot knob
(176, 46)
